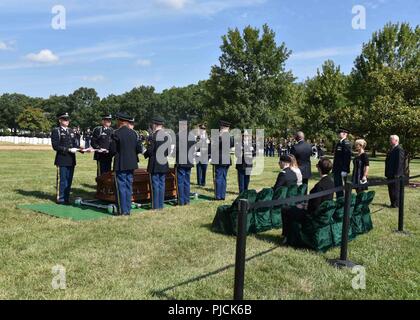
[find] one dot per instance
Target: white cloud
(95, 78)
(326, 53)
(6, 45)
(44, 56)
(143, 62)
(174, 4)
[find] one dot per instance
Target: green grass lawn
(174, 254)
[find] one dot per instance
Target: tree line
(251, 88)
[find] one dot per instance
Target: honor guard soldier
(342, 159)
(125, 146)
(65, 143)
(244, 154)
(158, 166)
(221, 161)
(185, 142)
(202, 152)
(101, 139)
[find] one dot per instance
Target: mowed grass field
(174, 255)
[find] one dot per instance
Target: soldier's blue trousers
(104, 166)
(183, 185)
(338, 182)
(201, 174)
(158, 190)
(64, 181)
(220, 176)
(124, 186)
(243, 180)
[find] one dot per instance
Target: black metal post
(401, 206)
(240, 251)
(343, 262)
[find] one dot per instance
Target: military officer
(125, 145)
(101, 139)
(342, 159)
(245, 155)
(202, 151)
(220, 158)
(184, 162)
(158, 167)
(65, 143)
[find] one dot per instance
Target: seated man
(287, 177)
(299, 212)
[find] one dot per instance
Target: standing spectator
(88, 138)
(78, 134)
(302, 152)
(202, 153)
(394, 168)
(342, 159)
(360, 165)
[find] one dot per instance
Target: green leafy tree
(249, 84)
(325, 105)
(84, 107)
(34, 120)
(11, 106)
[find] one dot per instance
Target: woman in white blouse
(295, 168)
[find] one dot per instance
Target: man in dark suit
(101, 139)
(286, 177)
(342, 159)
(302, 152)
(220, 159)
(125, 145)
(300, 212)
(245, 154)
(185, 142)
(394, 168)
(65, 143)
(158, 167)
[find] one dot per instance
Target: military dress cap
(286, 159)
(224, 123)
(343, 130)
(158, 120)
(123, 116)
(107, 116)
(63, 115)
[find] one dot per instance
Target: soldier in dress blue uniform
(158, 166)
(101, 139)
(244, 154)
(126, 146)
(185, 142)
(65, 143)
(222, 161)
(342, 159)
(202, 159)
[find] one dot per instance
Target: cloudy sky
(116, 45)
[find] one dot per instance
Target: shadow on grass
(163, 292)
(89, 186)
(36, 194)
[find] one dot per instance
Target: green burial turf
(86, 213)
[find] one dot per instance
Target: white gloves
(364, 180)
(343, 174)
(73, 150)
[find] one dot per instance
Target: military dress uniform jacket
(62, 140)
(246, 153)
(223, 160)
(125, 145)
(186, 160)
(394, 163)
(342, 157)
(153, 165)
(302, 152)
(101, 139)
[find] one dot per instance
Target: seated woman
(286, 177)
(295, 168)
(299, 212)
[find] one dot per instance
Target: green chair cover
(302, 189)
(276, 220)
(262, 216)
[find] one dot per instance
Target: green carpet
(84, 213)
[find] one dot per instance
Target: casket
(105, 186)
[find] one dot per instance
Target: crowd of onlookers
(279, 147)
